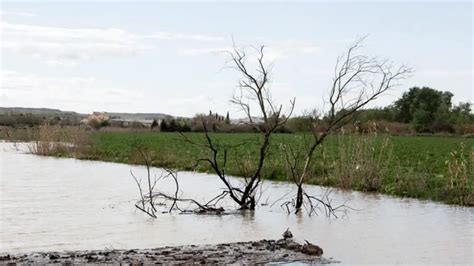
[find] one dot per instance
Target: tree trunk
(299, 198)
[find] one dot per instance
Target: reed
(361, 161)
(55, 140)
(460, 174)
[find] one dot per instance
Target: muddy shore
(255, 252)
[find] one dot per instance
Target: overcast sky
(161, 57)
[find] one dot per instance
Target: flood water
(66, 204)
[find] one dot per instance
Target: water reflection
(66, 204)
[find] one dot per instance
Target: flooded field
(66, 204)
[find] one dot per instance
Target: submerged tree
(254, 93)
(358, 80)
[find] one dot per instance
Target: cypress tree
(154, 124)
(164, 126)
(172, 125)
(227, 118)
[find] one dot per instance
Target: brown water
(66, 204)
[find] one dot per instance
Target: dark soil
(256, 252)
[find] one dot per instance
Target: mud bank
(263, 251)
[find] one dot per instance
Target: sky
(149, 56)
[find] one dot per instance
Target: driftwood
(151, 198)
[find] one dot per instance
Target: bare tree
(254, 92)
(358, 80)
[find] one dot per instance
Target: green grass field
(412, 166)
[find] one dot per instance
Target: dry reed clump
(395, 128)
(460, 173)
(17, 134)
(361, 160)
(392, 128)
(57, 140)
(464, 129)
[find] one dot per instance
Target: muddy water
(67, 204)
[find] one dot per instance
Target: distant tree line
(174, 125)
(420, 110)
(425, 110)
(31, 120)
(429, 110)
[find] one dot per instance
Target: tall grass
(460, 175)
(54, 140)
(360, 161)
(366, 162)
